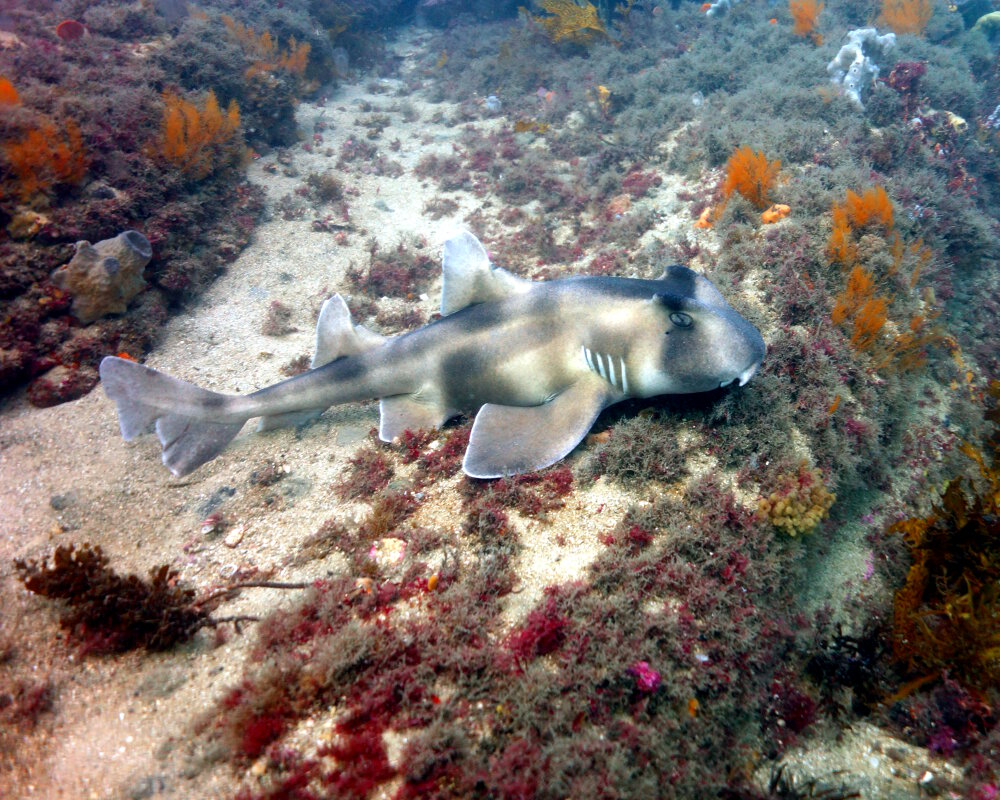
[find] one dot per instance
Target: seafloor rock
(62, 384)
(103, 278)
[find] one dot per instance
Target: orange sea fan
(907, 16)
(750, 174)
(45, 157)
(192, 138)
(871, 208)
(805, 13)
(840, 246)
(860, 289)
(868, 323)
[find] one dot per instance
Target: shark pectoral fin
(407, 412)
(509, 440)
(337, 335)
(470, 278)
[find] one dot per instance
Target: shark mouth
(743, 377)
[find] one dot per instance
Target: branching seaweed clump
(402, 271)
(947, 613)
(108, 612)
(571, 22)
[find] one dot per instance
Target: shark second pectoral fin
(407, 412)
(337, 335)
(469, 278)
(293, 419)
(510, 440)
(189, 443)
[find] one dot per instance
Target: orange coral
(840, 247)
(860, 289)
(868, 322)
(871, 208)
(750, 174)
(263, 50)
(859, 304)
(195, 140)
(44, 157)
(907, 16)
(8, 94)
(805, 13)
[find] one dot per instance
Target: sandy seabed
(121, 726)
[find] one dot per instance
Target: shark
(537, 361)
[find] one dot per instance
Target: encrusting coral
(799, 504)
(103, 278)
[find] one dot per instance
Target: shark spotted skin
(539, 360)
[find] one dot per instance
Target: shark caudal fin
(148, 399)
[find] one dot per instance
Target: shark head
(698, 341)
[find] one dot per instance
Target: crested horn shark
(539, 360)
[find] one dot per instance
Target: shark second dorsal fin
(337, 335)
(510, 440)
(469, 277)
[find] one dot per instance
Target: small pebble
(235, 536)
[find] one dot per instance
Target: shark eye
(680, 319)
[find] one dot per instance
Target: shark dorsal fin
(337, 335)
(470, 278)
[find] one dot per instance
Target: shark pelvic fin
(509, 440)
(145, 398)
(337, 335)
(469, 277)
(408, 412)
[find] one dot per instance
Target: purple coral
(647, 679)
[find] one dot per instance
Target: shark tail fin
(148, 399)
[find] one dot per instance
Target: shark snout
(743, 377)
(746, 356)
